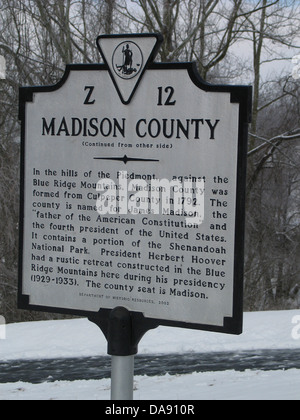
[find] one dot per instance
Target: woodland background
(233, 42)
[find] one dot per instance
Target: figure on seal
(126, 67)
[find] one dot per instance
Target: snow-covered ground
(75, 338)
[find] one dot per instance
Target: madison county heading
(190, 129)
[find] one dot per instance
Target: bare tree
(193, 30)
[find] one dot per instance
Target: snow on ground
(80, 337)
(75, 338)
(228, 385)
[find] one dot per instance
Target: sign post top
(127, 57)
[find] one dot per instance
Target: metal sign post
(132, 210)
(123, 331)
(122, 374)
(122, 365)
(118, 332)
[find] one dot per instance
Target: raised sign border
(239, 94)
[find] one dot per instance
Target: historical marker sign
(133, 183)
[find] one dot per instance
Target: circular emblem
(127, 60)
